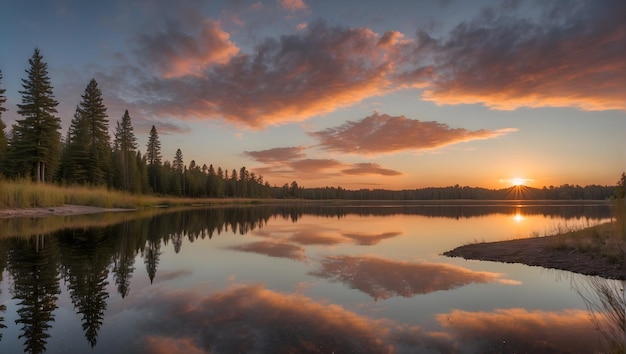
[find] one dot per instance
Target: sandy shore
(54, 211)
(538, 252)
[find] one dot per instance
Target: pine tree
(153, 150)
(93, 112)
(125, 145)
(3, 137)
(153, 157)
(75, 157)
(37, 137)
(179, 178)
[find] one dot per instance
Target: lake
(349, 278)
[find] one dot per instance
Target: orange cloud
(369, 168)
(312, 72)
(382, 133)
(572, 58)
(290, 163)
(293, 5)
(382, 278)
(176, 53)
(569, 57)
(277, 154)
(255, 319)
(520, 330)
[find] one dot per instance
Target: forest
(34, 148)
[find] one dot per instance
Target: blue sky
(367, 94)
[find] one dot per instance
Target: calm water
(271, 279)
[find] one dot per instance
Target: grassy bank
(603, 240)
(25, 194)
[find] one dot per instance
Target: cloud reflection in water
(251, 318)
(254, 319)
(273, 249)
(382, 278)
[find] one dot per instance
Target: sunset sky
(360, 94)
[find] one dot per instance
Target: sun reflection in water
(518, 217)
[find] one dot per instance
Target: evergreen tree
(3, 137)
(153, 157)
(179, 179)
(153, 149)
(75, 156)
(93, 112)
(125, 145)
(37, 137)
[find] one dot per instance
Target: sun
(518, 181)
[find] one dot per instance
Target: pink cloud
(567, 58)
(176, 53)
(293, 5)
(382, 133)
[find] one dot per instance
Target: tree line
(563, 192)
(87, 155)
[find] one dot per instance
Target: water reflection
(384, 278)
(251, 318)
(33, 267)
(273, 249)
(367, 239)
(95, 262)
(518, 330)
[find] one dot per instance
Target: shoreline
(63, 210)
(540, 252)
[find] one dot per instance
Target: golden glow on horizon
(518, 217)
(518, 181)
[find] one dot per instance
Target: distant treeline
(564, 192)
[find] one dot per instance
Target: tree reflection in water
(33, 265)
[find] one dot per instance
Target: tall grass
(26, 194)
(607, 240)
